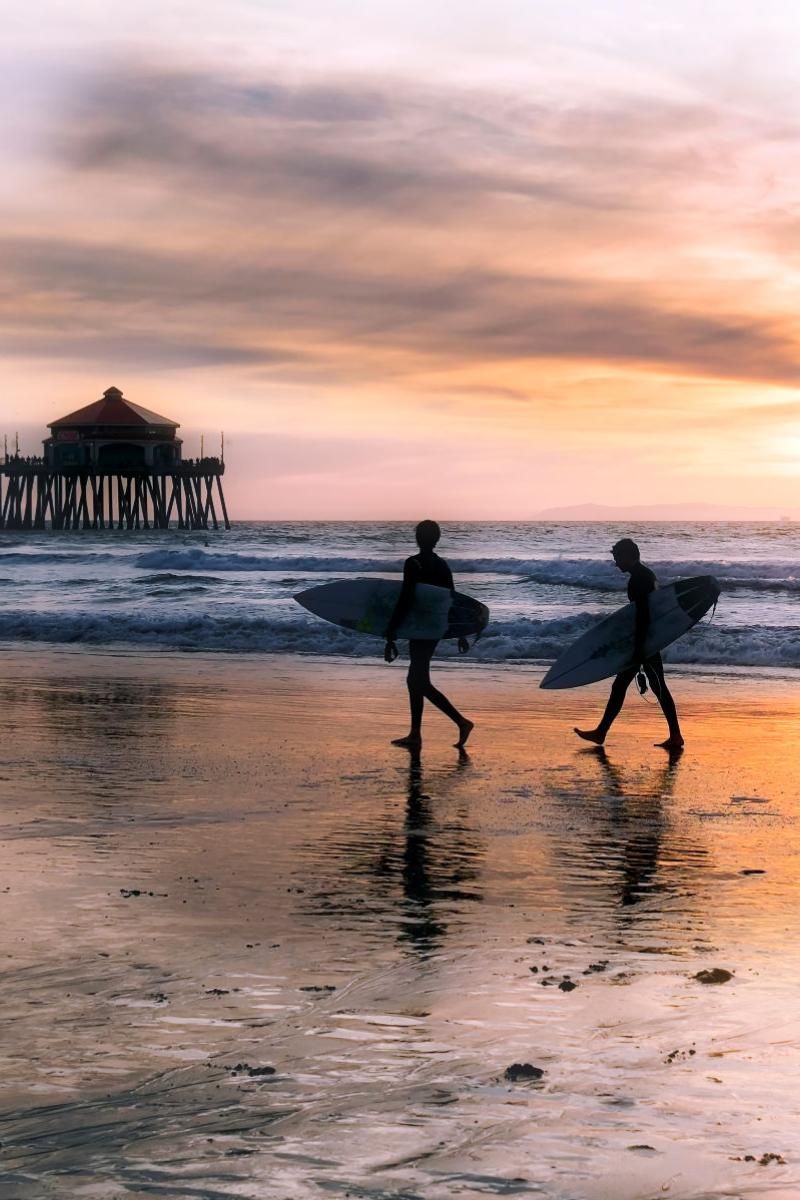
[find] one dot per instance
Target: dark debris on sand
(565, 984)
(680, 1055)
(253, 1072)
(714, 975)
(765, 1161)
(522, 1071)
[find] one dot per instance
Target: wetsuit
(425, 567)
(641, 583)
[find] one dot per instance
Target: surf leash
(702, 621)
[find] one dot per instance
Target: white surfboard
(366, 605)
(607, 648)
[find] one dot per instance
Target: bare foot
(672, 743)
(410, 742)
(591, 735)
(464, 730)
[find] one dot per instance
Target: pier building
(112, 465)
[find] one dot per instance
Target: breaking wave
(589, 574)
(522, 639)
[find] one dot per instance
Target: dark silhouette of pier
(112, 465)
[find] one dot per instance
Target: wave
(586, 572)
(176, 579)
(522, 639)
(203, 560)
(581, 575)
(577, 573)
(48, 557)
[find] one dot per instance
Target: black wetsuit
(425, 567)
(641, 583)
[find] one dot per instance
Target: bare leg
(421, 689)
(613, 708)
(418, 678)
(654, 669)
(465, 726)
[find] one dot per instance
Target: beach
(250, 949)
(363, 364)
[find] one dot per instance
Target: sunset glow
(478, 261)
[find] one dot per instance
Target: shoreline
(692, 672)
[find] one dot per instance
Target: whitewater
(545, 583)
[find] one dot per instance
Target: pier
(112, 465)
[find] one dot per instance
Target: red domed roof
(113, 409)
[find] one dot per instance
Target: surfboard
(607, 648)
(366, 605)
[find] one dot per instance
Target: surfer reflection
(423, 928)
(425, 567)
(641, 583)
(641, 813)
(437, 863)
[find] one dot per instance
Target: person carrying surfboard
(641, 583)
(425, 567)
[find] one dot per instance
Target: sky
(457, 260)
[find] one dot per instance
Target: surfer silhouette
(641, 583)
(425, 567)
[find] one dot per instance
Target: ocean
(545, 583)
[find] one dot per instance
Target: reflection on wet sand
(301, 964)
(440, 860)
(418, 868)
(626, 849)
(645, 813)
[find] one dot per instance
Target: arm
(404, 601)
(463, 644)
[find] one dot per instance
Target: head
(427, 534)
(626, 553)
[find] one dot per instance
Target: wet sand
(251, 950)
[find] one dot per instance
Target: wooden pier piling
(187, 497)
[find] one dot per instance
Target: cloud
(338, 231)
(122, 304)
(382, 147)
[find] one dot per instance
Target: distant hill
(665, 512)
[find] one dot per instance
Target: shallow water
(544, 583)
(217, 864)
